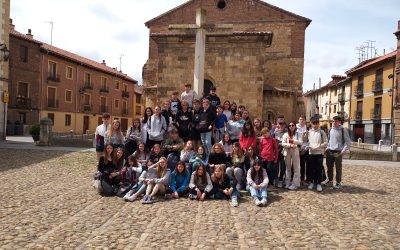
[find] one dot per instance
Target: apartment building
(372, 99)
(71, 90)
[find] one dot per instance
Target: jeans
(218, 134)
(292, 157)
(206, 140)
(334, 159)
(219, 195)
(315, 164)
(269, 167)
(236, 175)
(259, 193)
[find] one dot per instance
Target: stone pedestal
(45, 131)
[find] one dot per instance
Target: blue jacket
(179, 181)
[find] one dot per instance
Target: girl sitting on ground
(200, 184)
(180, 178)
(159, 184)
(129, 174)
(187, 153)
(217, 156)
(145, 177)
(105, 167)
(142, 154)
(200, 158)
(257, 182)
(222, 188)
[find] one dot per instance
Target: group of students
(201, 149)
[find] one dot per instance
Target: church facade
(258, 62)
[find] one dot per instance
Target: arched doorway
(207, 86)
(271, 116)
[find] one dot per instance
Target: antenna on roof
(120, 62)
(51, 32)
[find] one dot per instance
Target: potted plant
(34, 130)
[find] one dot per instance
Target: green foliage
(34, 129)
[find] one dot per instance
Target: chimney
(30, 33)
(103, 62)
(12, 26)
(313, 86)
(320, 82)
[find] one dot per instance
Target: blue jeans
(259, 193)
(206, 140)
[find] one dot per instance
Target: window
(22, 117)
(52, 69)
(68, 95)
(335, 91)
(125, 87)
(51, 117)
(23, 90)
(138, 99)
(67, 120)
(117, 85)
(69, 73)
(86, 99)
(87, 78)
(138, 110)
(52, 101)
(378, 106)
(334, 108)
(103, 82)
(326, 93)
(125, 107)
(116, 104)
(103, 104)
(23, 53)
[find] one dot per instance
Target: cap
(337, 118)
(314, 119)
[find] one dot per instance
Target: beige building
(4, 46)
(330, 100)
(396, 92)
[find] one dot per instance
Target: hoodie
(317, 141)
(335, 141)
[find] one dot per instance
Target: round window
(221, 4)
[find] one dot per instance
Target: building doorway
(207, 86)
(359, 132)
(124, 125)
(85, 124)
(377, 132)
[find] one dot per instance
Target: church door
(207, 86)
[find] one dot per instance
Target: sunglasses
(291, 125)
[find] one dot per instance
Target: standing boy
(101, 130)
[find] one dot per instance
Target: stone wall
(4, 65)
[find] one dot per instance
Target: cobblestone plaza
(47, 201)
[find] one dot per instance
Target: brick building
(73, 91)
(241, 62)
(4, 46)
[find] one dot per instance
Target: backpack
(329, 134)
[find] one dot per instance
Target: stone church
(256, 61)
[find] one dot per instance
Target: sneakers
(337, 186)
(311, 186)
(147, 199)
(257, 201)
(131, 198)
(234, 201)
(264, 201)
(280, 185)
(292, 187)
(192, 196)
(127, 195)
(329, 184)
(319, 188)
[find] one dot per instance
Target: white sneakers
(264, 201)
(319, 188)
(259, 203)
(292, 187)
(311, 186)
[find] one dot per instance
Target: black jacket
(205, 119)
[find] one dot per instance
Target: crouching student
(200, 184)
(222, 186)
(129, 176)
(159, 184)
(180, 178)
(257, 182)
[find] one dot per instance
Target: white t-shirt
(189, 97)
(102, 129)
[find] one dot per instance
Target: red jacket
(246, 142)
(269, 149)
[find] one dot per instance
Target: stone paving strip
(47, 202)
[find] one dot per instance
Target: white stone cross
(202, 29)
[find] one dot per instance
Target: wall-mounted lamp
(5, 53)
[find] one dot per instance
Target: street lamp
(5, 52)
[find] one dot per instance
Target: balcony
(53, 78)
(125, 112)
(358, 115)
(103, 109)
(87, 108)
(87, 86)
(23, 102)
(359, 92)
(377, 86)
(104, 89)
(125, 94)
(376, 114)
(342, 97)
(52, 104)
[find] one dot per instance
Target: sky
(105, 30)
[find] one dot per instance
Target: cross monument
(202, 29)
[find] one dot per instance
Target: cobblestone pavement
(47, 201)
